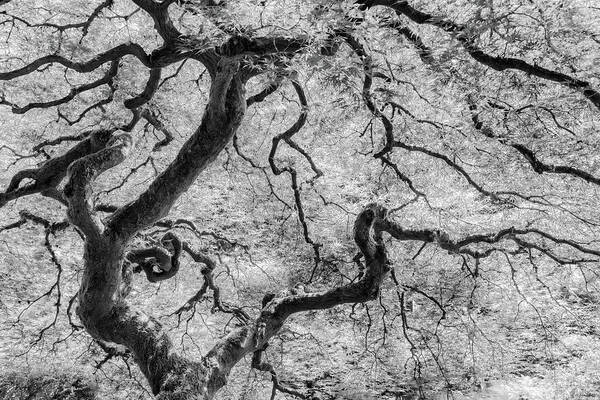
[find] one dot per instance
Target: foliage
(40, 386)
(473, 123)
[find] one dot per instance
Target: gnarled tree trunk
(102, 306)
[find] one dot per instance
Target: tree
(511, 88)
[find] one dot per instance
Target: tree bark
(102, 306)
(103, 309)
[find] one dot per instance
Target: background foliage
(520, 323)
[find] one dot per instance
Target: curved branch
(263, 94)
(368, 230)
(51, 173)
(366, 91)
(87, 66)
(223, 115)
(102, 308)
(494, 62)
(209, 282)
(81, 173)
(537, 165)
(149, 90)
(162, 20)
(167, 262)
(106, 79)
(286, 136)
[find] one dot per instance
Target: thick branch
(260, 46)
(162, 20)
(167, 262)
(51, 173)
(221, 118)
(102, 308)
(263, 94)
(367, 234)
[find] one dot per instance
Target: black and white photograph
(300, 199)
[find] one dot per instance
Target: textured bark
(221, 119)
(53, 171)
(368, 228)
(102, 307)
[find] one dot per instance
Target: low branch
(368, 236)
